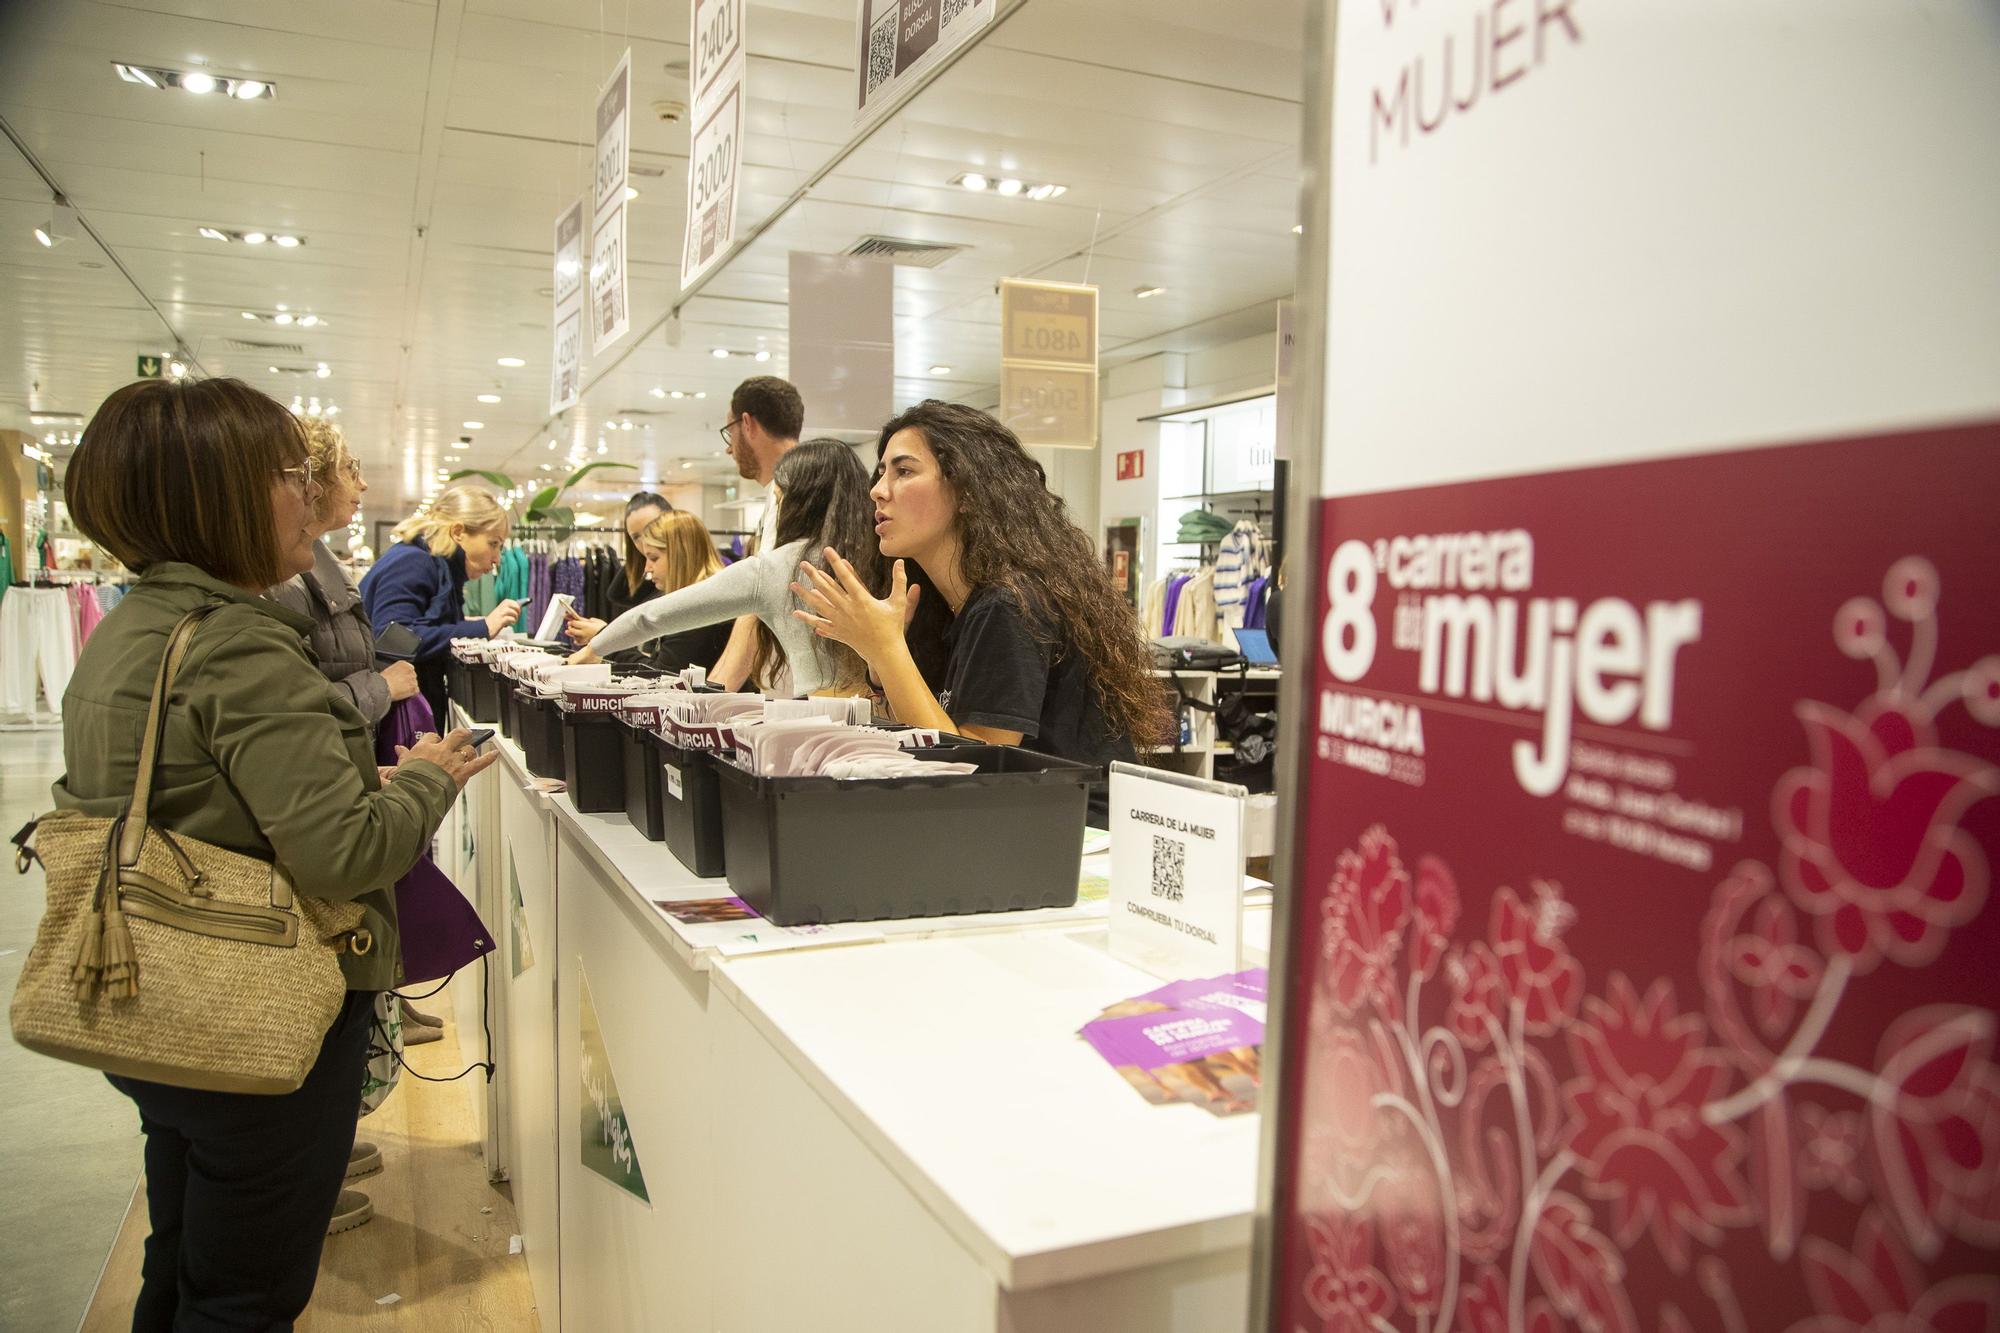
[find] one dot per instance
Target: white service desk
(878, 1127)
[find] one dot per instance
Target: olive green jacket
(259, 758)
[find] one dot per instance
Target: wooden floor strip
(440, 1236)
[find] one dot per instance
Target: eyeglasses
(301, 475)
(728, 440)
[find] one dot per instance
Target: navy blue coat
(424, 593)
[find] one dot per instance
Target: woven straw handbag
(166, 959)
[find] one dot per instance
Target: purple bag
(441, 931)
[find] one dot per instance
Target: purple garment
(1174, 586)
(440, 930)
(1253, 603)
(538, 593)
(567, 576)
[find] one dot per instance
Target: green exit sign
(152, 367)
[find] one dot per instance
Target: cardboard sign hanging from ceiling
(610, 311)
(717, 96)
(1048, 363)
(1639, 971)
(566, 361)
(901, 41)
(843, 340)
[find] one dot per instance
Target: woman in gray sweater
(821, 490)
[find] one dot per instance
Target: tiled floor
(69, 1145)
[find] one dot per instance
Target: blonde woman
(678, 553)
(419, 583)
(341, 638)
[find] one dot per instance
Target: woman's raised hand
(839, 606)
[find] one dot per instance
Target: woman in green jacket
(205, 489)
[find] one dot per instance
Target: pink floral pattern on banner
(1514, 1134)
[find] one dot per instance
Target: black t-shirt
(1003, 674)
(699, 646)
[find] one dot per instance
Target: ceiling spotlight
(287, 242)
(686, 464)
(678, 393)
(281, 318)
(658, 392)
(323, 370)
(247, 314)
(552, 444)
(133, 74)
(1298, 229)
(273, 370)
(246, 90)
(308, 321)
(1040, 192)
(701, 393)
(631, 192)
(473, 425)
(719, 353)
(489, 397)
(254, 238)
(212, 234)
(972, 180)
(60, 226)
(512, 362)
(177, 369)
(461, 444)
(548, 467)
(1143, 292)
(197, 82)
(1010, 186)
(763, 355)
(940, 370)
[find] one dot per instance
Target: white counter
(889, 1126)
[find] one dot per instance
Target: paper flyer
(1198, 1040)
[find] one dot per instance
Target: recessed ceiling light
(1010, 186)
(197, 82)
(701, 393)
(719, 353)
(940, 370)
(1143, 292)
(657, 391)
(1298, 229)
(763, 355)
(512, 362)
(133, 74)
(274, 370)
(212, 234)
(281, 318)
(324, 370)
(254, 238)
(200, 82)
(678, 393)
(473, 425)
(489, 397)
(548, 467)
(631, 192)
(308, 321)
(245, 90)
(461, 444)
(177, 370)
(286, 240)
(972, 180)
(685, 465)
(603, 448)
(552, 444)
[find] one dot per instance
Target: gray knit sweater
(759, 585)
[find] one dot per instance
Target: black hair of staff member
(1044, 652)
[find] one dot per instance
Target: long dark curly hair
(825, 504)
(1016, 534)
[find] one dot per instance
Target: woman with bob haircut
(1042, 650)
(206, 490)
(419, 583)
(821, 490)
(677, 552)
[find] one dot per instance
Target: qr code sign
(949, 11)
(1169, 868)
(882, 49)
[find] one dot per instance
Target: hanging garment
(1241, 558)
(109, 595)
(1194, 612)
(1171, 604)
(1253, 602)
(6, 565)
(37, 649)
(87, 613)
(511, 579)
(1152, 609)
(481, 595)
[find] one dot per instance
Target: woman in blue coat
(419, 583)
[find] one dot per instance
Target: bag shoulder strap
(137, 815)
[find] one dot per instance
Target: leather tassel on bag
(89, 955)
(121, 964)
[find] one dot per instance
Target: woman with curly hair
(1042, 650)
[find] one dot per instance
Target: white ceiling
(423, 150)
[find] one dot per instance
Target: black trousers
(240, 1189)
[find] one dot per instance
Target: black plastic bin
(481, 699)
(458, 683)
(1004, 839)
(510, 704)
(539, 732)
(644, 781)
(690, 807)
(592, 760)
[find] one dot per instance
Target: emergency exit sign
(1132, 465)
(152, 367)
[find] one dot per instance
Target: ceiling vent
(254, 345)
(896, 250)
